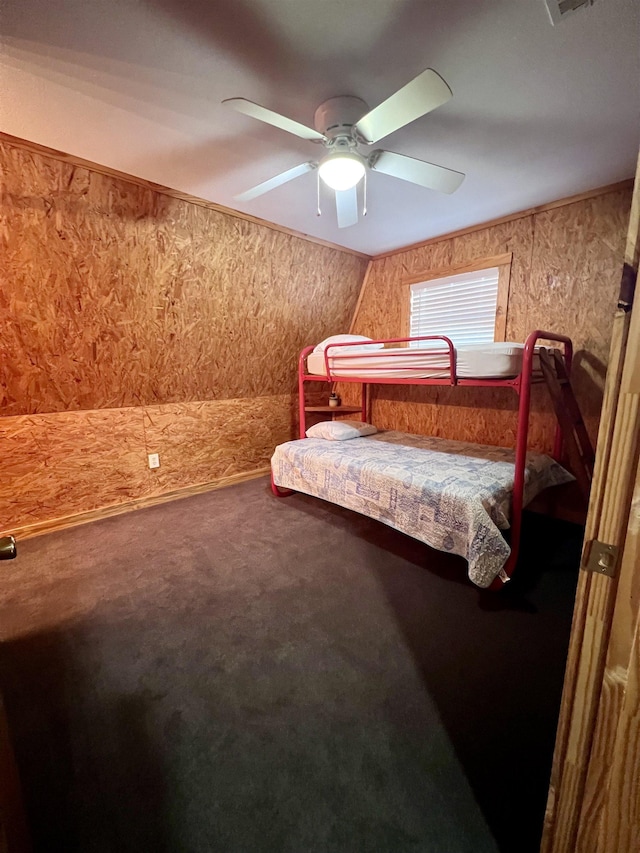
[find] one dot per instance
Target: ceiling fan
(344, 123)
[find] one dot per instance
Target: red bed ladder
(579, 450)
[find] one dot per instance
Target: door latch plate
(602, 558)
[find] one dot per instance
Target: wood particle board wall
(64, 463)
(133, 322)
(115, 295)
(565, 277)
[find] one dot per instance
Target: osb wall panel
(203, 442)
(60, 464)
(575, 278)
(115, 295)
(56, 465)
(565, 277)
(486, 416)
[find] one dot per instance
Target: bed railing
(407, 352)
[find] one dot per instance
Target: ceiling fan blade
(241, 105)
(276, 181)
(423, 94)
(416, 171)
(347, 207)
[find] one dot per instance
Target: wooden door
(594, 796)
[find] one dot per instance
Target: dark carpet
(233, 672)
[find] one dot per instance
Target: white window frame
(501, 262)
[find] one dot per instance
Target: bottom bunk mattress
(452, 495)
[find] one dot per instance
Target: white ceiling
(538, 112)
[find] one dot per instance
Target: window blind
(462, 307)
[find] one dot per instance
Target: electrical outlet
(154, 460)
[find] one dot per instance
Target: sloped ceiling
(538, 112)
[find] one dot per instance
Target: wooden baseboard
(38, 528)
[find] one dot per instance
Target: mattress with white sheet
(478, 361)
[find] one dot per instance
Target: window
(463, 305)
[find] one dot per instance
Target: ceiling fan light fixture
(342, 170)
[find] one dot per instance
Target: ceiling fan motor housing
(337, 116)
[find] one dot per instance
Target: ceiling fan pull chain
(319, 213)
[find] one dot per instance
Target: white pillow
(340, 430)
(361, 344)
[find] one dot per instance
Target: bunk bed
(454, 496)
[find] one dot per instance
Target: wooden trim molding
(502, 301)
(455, 269)
(36, 148)
(511, 217)
(27, 145)
(41, 527)
(365, 281)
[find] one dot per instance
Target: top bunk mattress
(479, 361)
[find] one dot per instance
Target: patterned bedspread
(452, 495)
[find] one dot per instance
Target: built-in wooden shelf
(340, 409)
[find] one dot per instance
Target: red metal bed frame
(521, 384)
